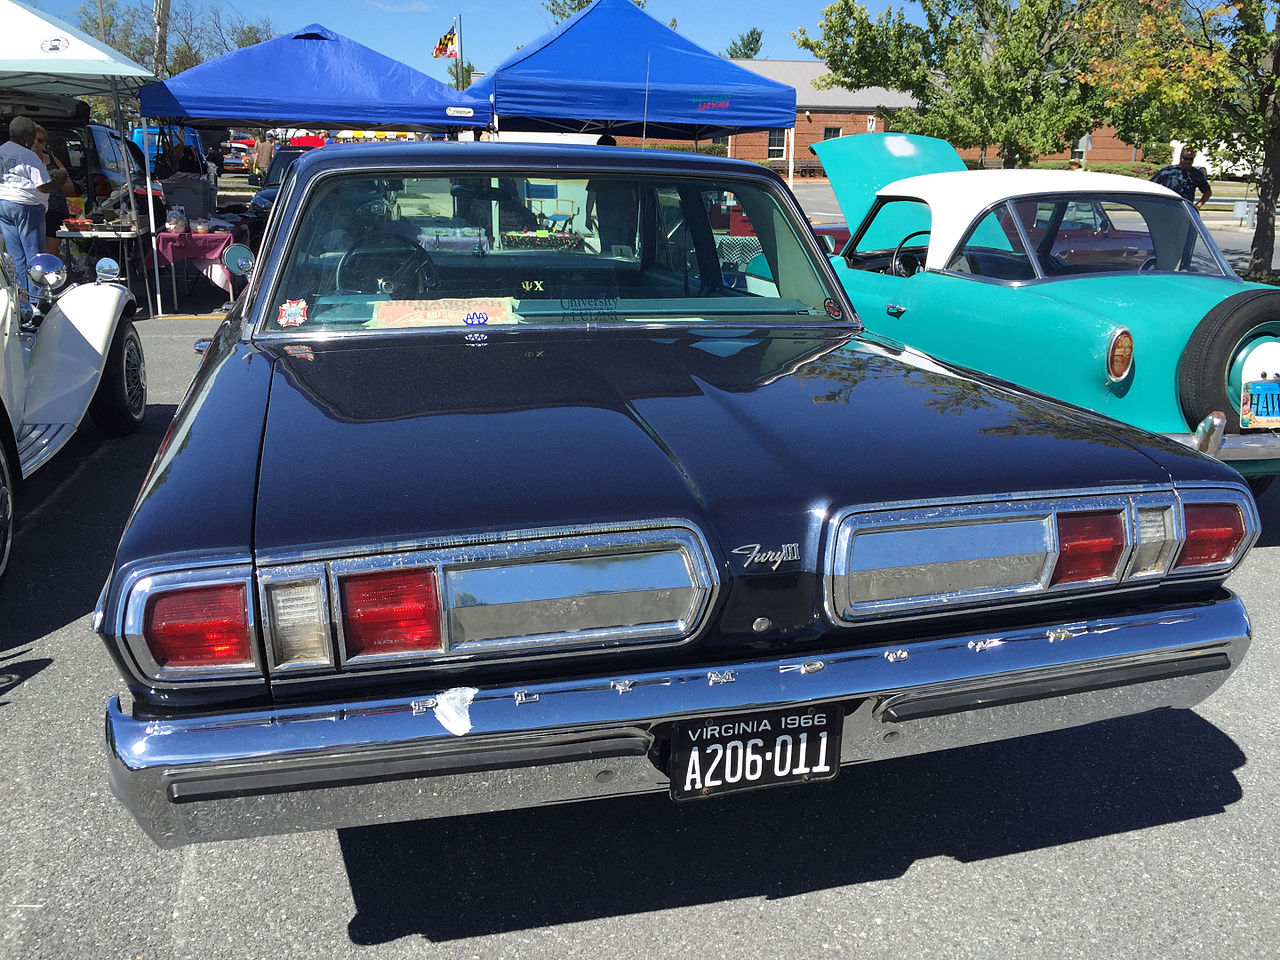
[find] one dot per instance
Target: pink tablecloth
(203, 249)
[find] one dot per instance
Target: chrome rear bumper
(1210, 437)
(463, 751)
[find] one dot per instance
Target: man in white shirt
(24, 193)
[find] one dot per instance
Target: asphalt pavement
(1147, 837)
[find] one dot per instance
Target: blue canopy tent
(312, 78)
(613, 68)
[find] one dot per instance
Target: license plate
(750, 750)
(1260, 404)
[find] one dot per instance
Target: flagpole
(461, 61)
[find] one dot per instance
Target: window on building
(777, 144)
(830, 133)
(723, 141)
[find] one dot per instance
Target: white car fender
(70, 351)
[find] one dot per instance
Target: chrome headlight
(47, 271)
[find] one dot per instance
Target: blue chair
(538, 195)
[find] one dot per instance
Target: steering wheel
(906, 264)
(385, 264)
(1148, 265)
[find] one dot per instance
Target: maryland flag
(447, 45)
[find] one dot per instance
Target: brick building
(835, 112)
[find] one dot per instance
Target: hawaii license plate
(750, 750)
(1260, 404)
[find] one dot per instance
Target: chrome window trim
(266, 275)
(1248, 513)
(1228, 273)
(148, 585)
(513, 548)
(294, 573)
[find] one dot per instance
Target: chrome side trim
(38, 442)
(259, 772)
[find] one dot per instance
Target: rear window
(490, 249)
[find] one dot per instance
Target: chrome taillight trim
(290, 574)
(842, 609)
(144, 588)
(1116, 334)
(1248, 512)
(451, 560)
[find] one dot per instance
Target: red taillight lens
(1214, 531)
(199, 627)
(1120, 355)
(396, 611)
(1089, 546)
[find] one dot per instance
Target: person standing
(56, 209)
(25, 186)
(263, 151)
(1184, 179)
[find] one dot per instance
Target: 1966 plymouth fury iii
(471, 507)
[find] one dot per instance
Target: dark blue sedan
(507, 483)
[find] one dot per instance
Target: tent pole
(791, 159)
(460, 60)
(151, 212)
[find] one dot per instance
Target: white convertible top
(955, 199)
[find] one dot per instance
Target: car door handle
(893, 310)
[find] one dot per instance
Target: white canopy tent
(42, 54)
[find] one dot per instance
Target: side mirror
(238, 259)
(47, 272)
(203, 344)
(255, 179)
(107, 270)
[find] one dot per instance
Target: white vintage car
(58, 360)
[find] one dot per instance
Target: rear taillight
(390, 613)
(199, 627)
(1214, 533)
(1090, 546)
(1119, 355)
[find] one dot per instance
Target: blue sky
(492, 29)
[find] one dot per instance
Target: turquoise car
(1101, 290)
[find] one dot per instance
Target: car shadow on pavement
(70, 516)
(495, 873)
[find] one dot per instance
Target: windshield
(373, 252)
(280, 163)
(1072, 235)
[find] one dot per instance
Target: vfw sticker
(293, 313)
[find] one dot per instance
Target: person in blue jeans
(25, 186)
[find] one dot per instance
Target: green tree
(1187, 70)
(746, 46)
(460, 73)
(564, 9)
(195, 34)
(982, 72)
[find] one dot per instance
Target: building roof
(801, 74)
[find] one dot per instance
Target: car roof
(482, 153)
(956, 199)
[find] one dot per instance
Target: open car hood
(861, 164)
